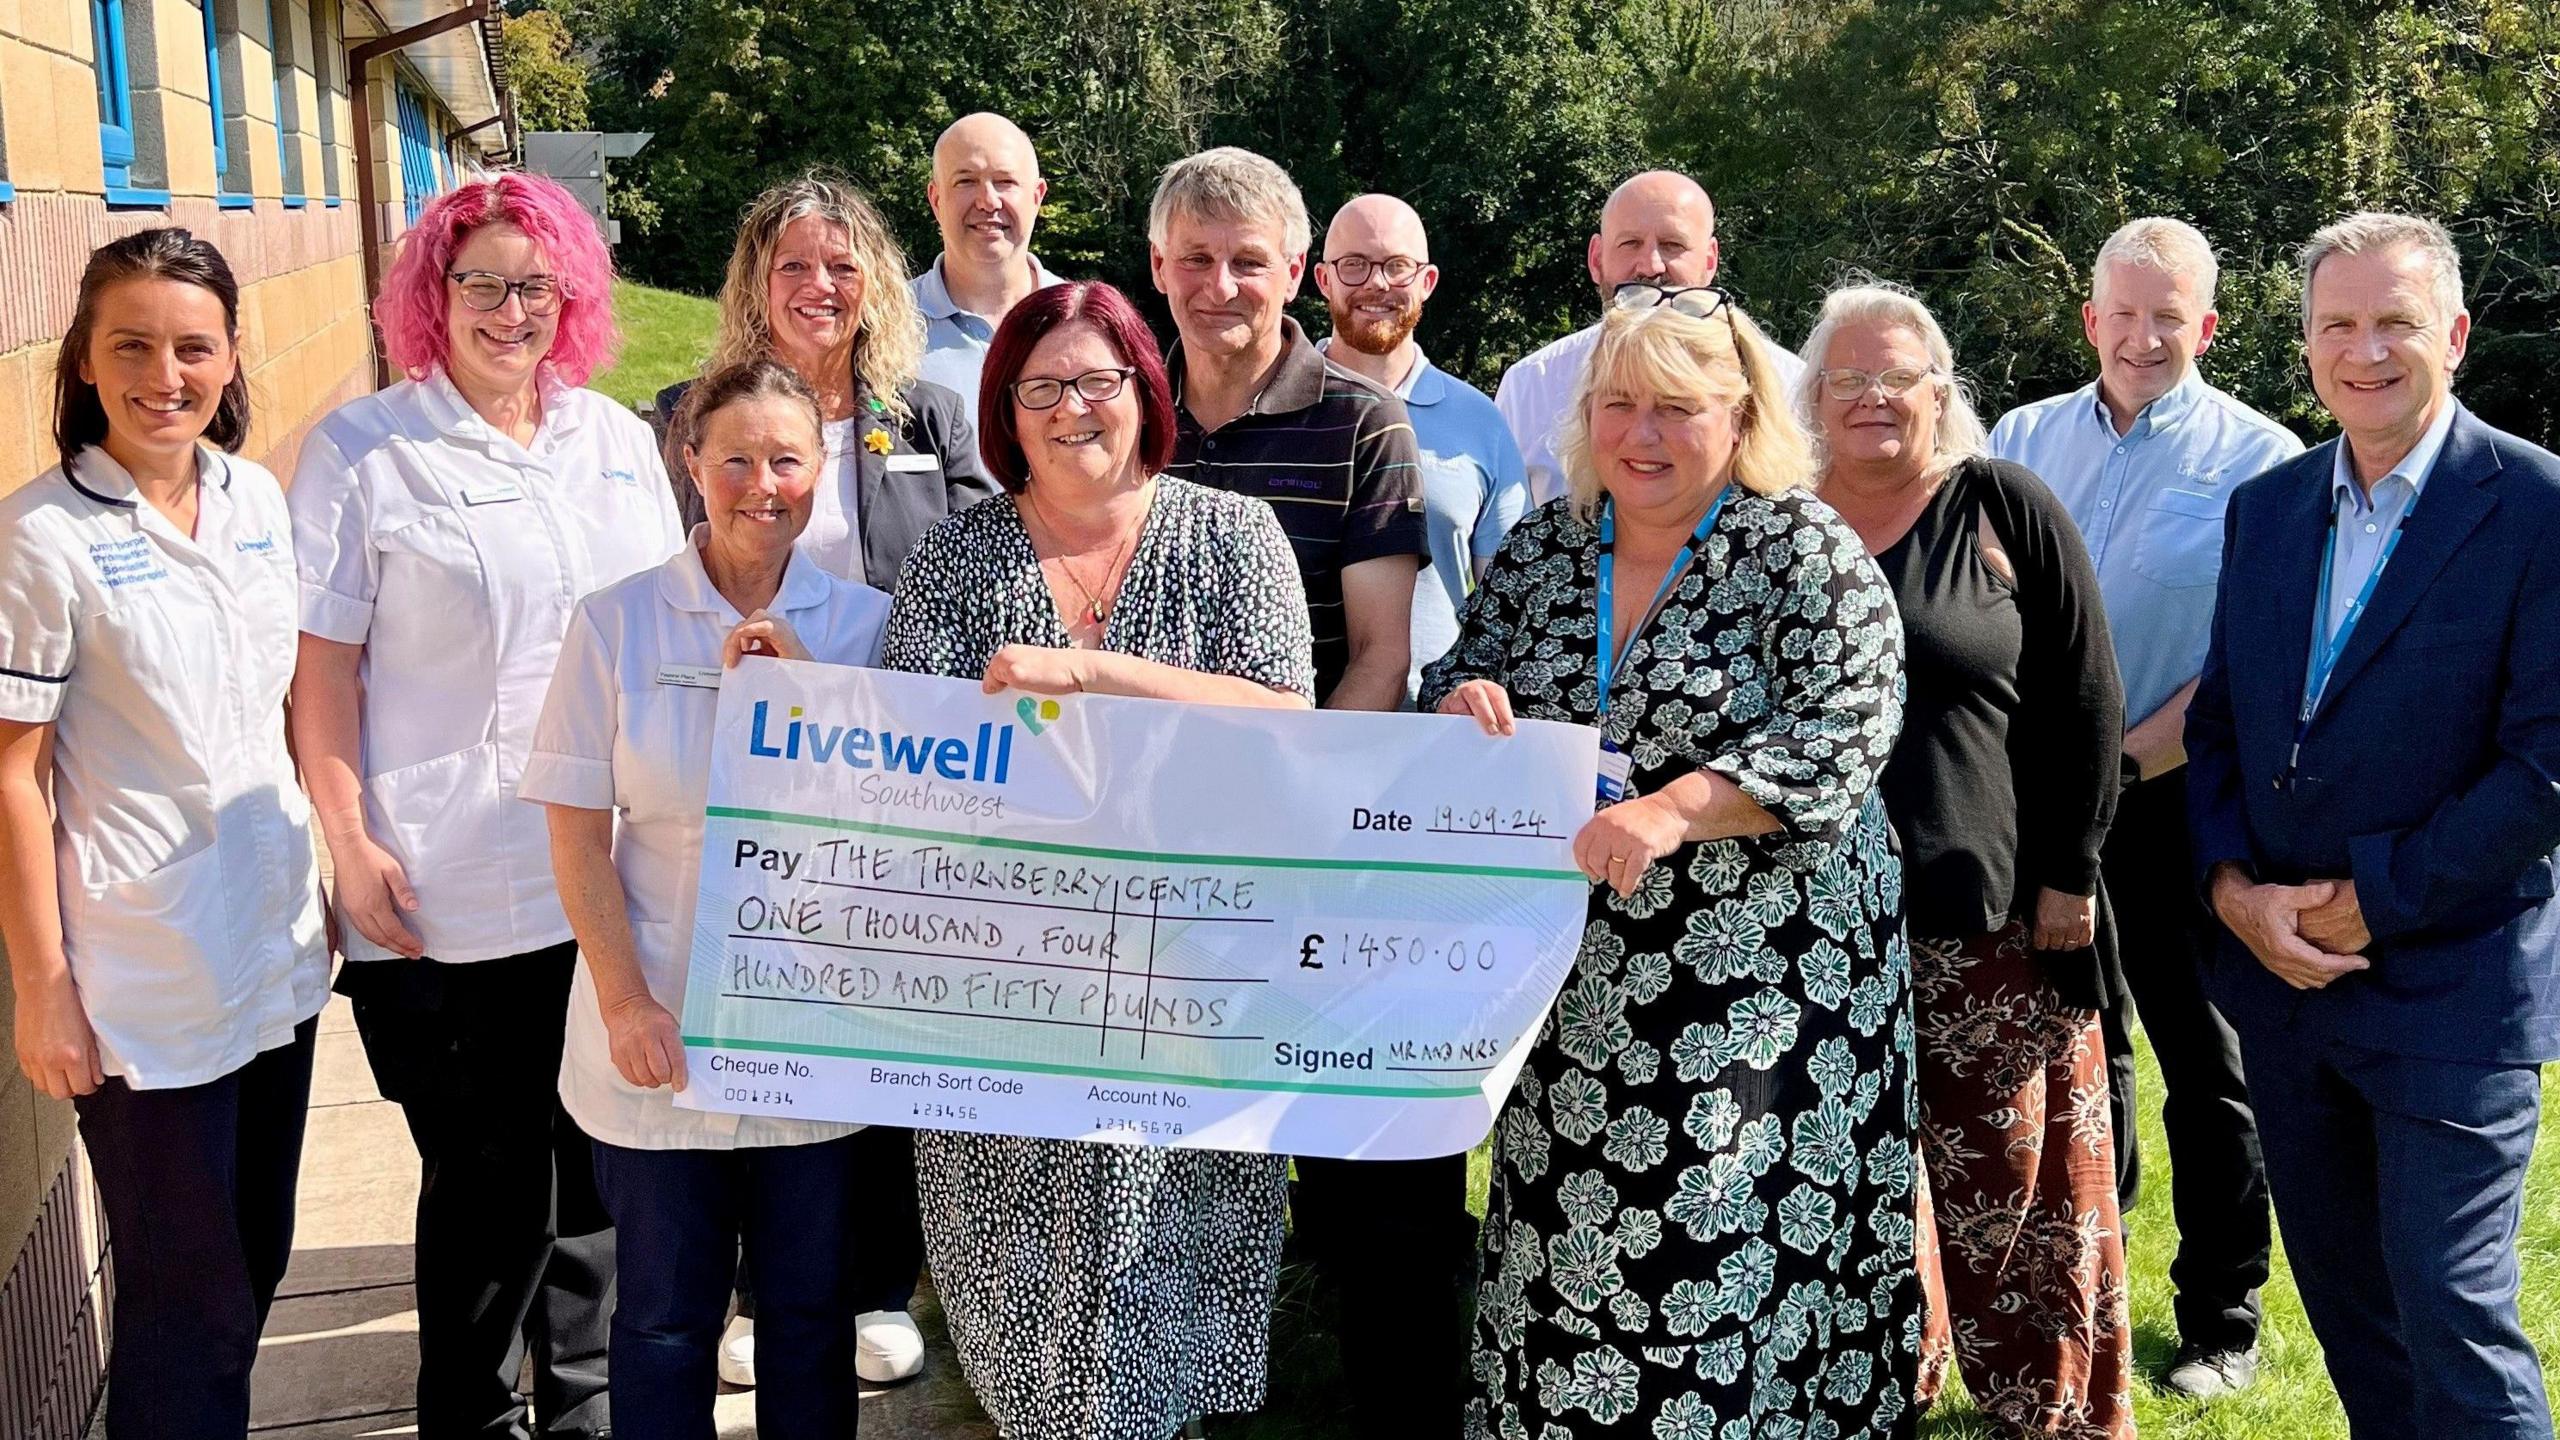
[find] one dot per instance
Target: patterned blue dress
(1701, 1219)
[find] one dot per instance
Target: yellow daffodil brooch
(876, 441)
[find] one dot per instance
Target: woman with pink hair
(444, 529)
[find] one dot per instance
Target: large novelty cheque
(1118, 920)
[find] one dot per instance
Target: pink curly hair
(412, 308)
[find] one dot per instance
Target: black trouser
(514, 1252)
(883, 1222)
(198, 1186)
(1395, 1240)
(686, 1219)
(2218, 1181)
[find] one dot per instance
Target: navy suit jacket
(2431, 774)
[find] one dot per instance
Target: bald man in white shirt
(1658, 229)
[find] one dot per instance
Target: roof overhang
(460, 65)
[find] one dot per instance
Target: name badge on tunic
(913, 462)
(692, 677)
(492, 492)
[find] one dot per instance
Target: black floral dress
(1701, 1220)
(1106, 1292)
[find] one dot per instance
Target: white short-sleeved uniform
(627, 728)
(454, 555)
(190, 896)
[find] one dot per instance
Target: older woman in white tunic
(621, 757)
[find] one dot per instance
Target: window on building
(418, 182)
(285, 78)
(115, 93)
(230, 192)
(132, 103)
(327, 35)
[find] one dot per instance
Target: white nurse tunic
(627, 728)
(454, 555)
(190, 895)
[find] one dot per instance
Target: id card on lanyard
(1616, 769)
(2325, 656)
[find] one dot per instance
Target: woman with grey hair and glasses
(2000, 791)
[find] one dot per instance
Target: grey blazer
(893, 509)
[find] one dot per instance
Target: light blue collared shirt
(1474, 489)
(2149, 504)
(2366, 522)
(956, 340)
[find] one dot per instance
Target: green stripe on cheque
(1096, 1072)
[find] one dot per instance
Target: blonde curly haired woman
(818, 282)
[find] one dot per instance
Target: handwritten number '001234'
(1362, 951)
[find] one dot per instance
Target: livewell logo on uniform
(986, 758)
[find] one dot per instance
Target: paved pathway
(340, 1352)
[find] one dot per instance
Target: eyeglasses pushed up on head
(1695, 301)
(482, 290)
(1096, 386)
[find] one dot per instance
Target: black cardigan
(2005, 777)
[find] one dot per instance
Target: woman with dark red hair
(1101, 1292)
(443, 529)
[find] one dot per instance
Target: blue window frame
(115, 107)
(418, 179)
(279, 48)
(224, 196)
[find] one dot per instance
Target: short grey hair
(2370, 230)
(1230, 183)
(1960, 435)
(2172, 247)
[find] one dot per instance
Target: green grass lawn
(665, 334)
(2291, 1401)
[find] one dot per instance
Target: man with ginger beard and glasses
(1375, 275)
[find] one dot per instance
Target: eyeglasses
(1397, 270)
(1095, 386)
(1846, 384)
(482, 290)
(1695, 301)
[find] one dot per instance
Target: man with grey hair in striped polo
(2145, 457)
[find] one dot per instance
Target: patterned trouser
(2021, 1252)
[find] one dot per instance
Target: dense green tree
(549, 81)
(1977, 150)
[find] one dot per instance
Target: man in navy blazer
(2374, 791)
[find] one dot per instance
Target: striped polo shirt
(1334, 455)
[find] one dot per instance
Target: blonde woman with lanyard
(164, 928)
(1707, 1158)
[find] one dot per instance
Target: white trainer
(738, 1352)
(887, 1347)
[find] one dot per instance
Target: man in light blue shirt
(2145, 459)
(985, 194)
(2366, 524)
(1376, 273)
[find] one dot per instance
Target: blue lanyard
(1608, 587)
(2325, 657)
